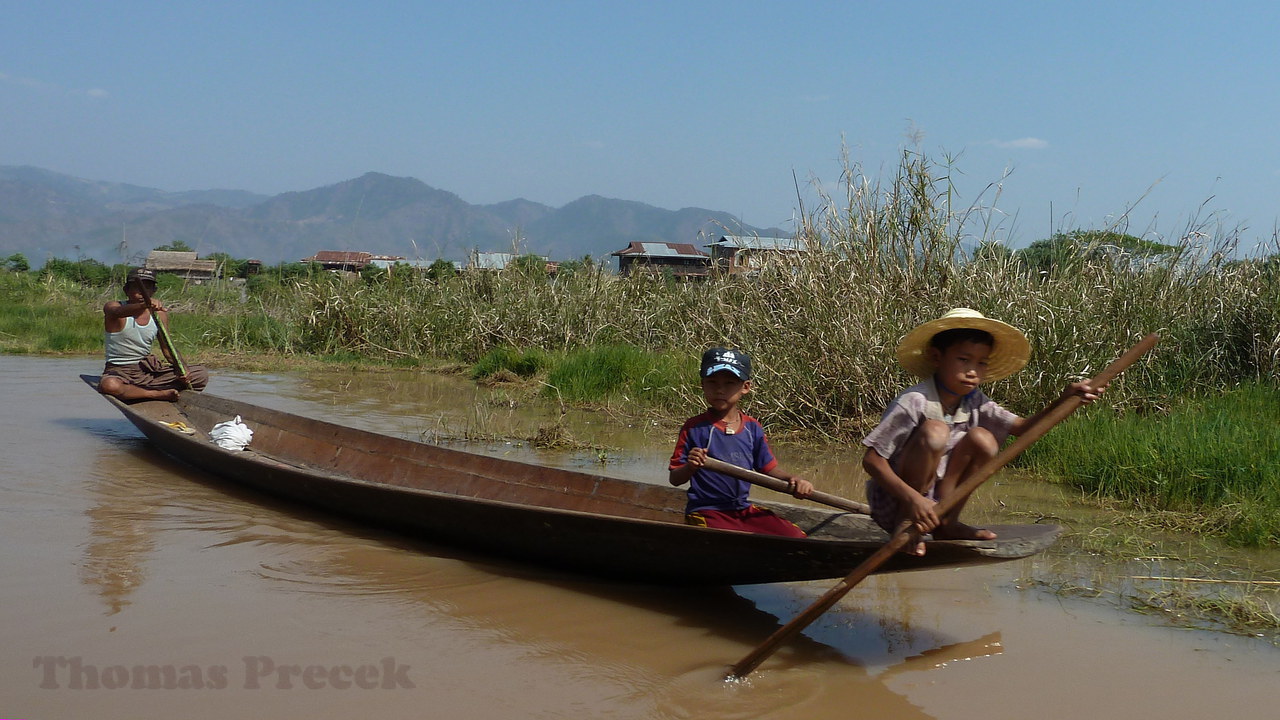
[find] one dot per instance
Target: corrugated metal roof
(419, 264)
(339, 257)
(661, 249)
(492, 260)
(760, 243)
(658, 249)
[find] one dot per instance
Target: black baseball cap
(140, 275)
(735, 361)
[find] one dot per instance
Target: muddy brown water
(135, 587)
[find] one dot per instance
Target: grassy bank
(1214, 462)
(49, 314)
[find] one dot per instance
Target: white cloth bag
(231, 434)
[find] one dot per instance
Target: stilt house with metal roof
(739, 253)
(682, 260)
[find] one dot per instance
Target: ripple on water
(762, 694)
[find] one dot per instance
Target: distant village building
(740, 253)
(185, 265)
(347, 261)
(490, 260)
(340, 260)
(682, 260)
(495, 261)
(386, 263)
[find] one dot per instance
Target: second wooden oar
(783, 486)
(907, 533)
(166, 342)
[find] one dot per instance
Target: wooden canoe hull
(590, 524)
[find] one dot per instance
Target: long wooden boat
(600, 526)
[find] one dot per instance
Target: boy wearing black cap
(727, 434)
(132, 372)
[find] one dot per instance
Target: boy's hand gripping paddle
(782, 486)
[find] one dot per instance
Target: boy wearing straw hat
(940, 430)
(726, 433)
(132, 373)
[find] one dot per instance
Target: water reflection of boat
(587, 523)
(988, 645)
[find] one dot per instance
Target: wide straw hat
(1008, 355)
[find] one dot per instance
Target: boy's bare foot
(961, 531)
(916, 548)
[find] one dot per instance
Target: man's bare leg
(116, 387)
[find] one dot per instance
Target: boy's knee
(981, 440)
(934, 435)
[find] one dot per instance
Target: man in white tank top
(132, 372)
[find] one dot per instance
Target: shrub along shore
(1192, 428)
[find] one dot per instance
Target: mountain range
(46, 214)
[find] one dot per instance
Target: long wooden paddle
(166, 342)
(783, 486)
(907, 532)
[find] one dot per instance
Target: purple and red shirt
(747, 447)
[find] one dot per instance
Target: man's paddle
(165, 341)
(907, 532)
(783, 486)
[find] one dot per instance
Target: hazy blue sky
(675, 104)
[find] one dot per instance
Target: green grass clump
(237, 332)
(49, 330)
(620, 372)
(525, 363)
(1218, 457)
